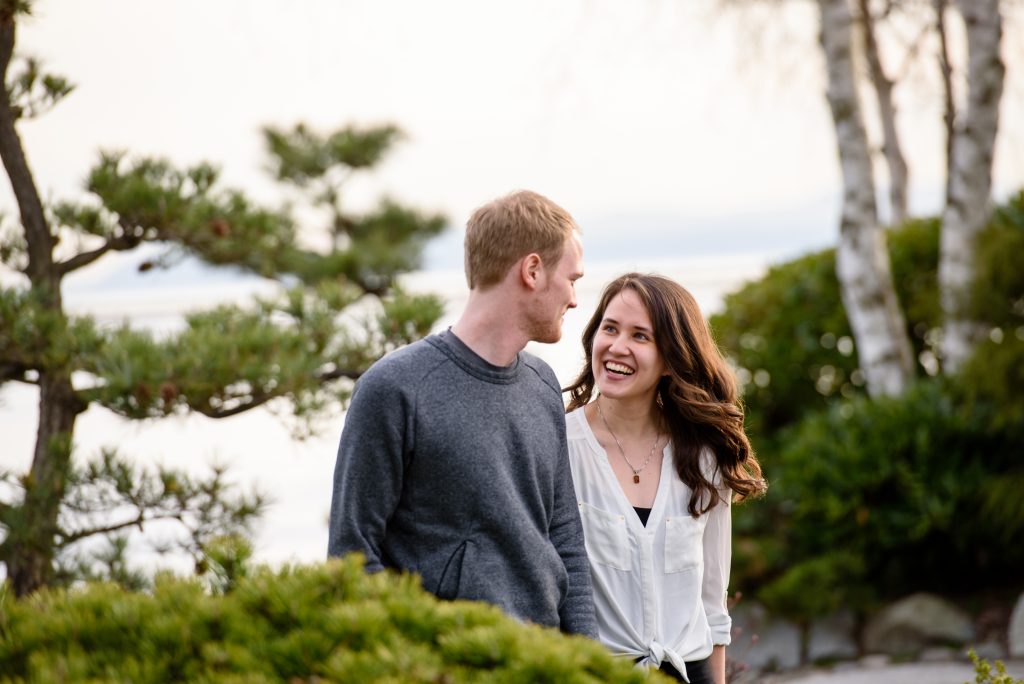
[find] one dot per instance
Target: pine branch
(119, 243)
(263, 398)
(139, 521)
(339, 373)
(241, 407)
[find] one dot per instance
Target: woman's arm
(717, 663)
(717, 545)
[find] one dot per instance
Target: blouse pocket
(683, 543)
(606, 537)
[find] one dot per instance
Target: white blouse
(659, 590)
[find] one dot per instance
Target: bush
(788, 336)
(330, 622)
(871, 499)
(983, 671)
(879, 498)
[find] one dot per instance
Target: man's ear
(530, 270)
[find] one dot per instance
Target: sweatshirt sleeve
(566, 532)
(369, 471)
(717, 561)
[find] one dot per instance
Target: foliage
(337, 308)
(329, 622)
(893, 496)
(983, 673)
(808, 587)
(872, 499)
(111, 496)
(788, 335)
(1000, 301)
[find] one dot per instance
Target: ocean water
(257, 447)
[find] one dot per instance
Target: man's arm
(369, 471)
(566, 533)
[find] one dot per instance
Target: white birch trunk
(862, 258)
(968, 204)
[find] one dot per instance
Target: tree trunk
(37, 231)
(862, 258)
(946, 72)
(968, 205)
(28, 550)
(891, 148)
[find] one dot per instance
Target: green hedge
(885, 497)
(869, 500)
(329, 623)
(789, 338)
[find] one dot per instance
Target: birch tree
(971, 132)
(968, 204)
(862, 258)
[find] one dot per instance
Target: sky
(683, 140)
(659, 119)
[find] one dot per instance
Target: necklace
(650, 454)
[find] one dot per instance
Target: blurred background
(690, 138)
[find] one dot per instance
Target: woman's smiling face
(625, 359)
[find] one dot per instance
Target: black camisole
(643, 514)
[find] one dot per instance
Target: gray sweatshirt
(458, 470)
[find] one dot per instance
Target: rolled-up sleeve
(717, 561)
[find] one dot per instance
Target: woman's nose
(618, 345)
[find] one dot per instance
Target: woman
(657, 459)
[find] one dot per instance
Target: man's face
(557, 294)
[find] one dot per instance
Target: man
(453, 461)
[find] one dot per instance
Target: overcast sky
(650, 117)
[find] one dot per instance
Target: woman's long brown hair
(697, 400)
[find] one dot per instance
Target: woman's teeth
(618, 368)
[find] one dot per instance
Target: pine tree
(296, 347)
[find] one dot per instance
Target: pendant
(636, 478)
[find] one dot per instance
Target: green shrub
(871, 499)
(330, 622)
(879, 498)
(983, 672)
(788, 336)
(1000, 298)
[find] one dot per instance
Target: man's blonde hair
(505, 230)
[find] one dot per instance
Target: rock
(875, 662)
(833, 638)
(1015, 636)
(762, 642)
(912, 624)
(937, 654)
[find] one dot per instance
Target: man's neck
(490, 329)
